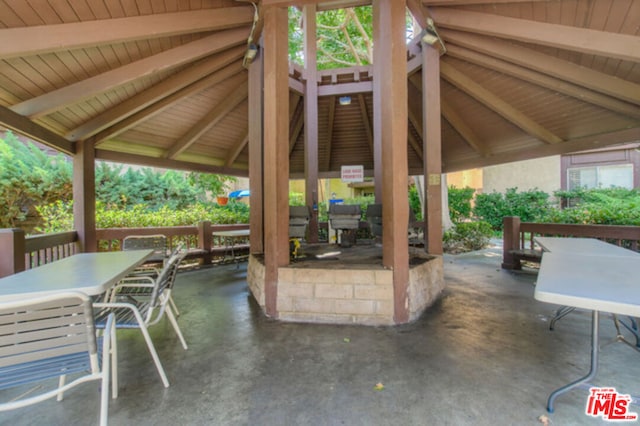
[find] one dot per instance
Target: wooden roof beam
(542, 80)
(415, 144)
(295, 132)
(35, 131)
(331, 119)
(366, 122)
(82, 90)
(36, 40)
(213, 117)
(155, 93)
(507, 111)
(239, 146)
(546, 64)
(611, 45)
(129, 122)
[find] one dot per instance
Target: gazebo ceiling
(162, 82)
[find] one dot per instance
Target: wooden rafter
(542, 80)
(573, 145)
(295, 132)
(35, 131)
(238, 147)
(346, 88)
(507, 111)
(611, 45)
(77, 92)
(154, 94)
(36, 40)
(158, 107)
(331, 117)
(213, 117)
(365, 121)
(555, 67)
(415, 144)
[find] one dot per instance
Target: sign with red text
(610, 405)
(352, 174)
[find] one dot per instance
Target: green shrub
(460, 203)
(598, 206)
(467, 236)
(528, 205)
(414, 202)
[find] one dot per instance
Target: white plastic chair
(54, 336)
(144, 309)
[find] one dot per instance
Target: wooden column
(311, 120)
(276, 150)
(390, 70)
(256, 178)
(432, 148)
(84, 195)
(12, 247)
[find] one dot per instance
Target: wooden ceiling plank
(295, 132)
(217, 113)
(545, 81)
(158, 107)
(25, 41)
(330, 122)
(504, 109)
(459, 125)
(82, 90)
(564, 70)
(35, 131)
(415, 144)
(239, 146)
(366, 122)
(611, 45)
(473, 2)
(155, 93)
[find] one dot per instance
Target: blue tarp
(240, 193)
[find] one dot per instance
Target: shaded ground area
(483, 355)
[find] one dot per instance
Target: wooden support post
(311, 120)
(391, 75)
(12, 246)
(256, 177)
(84, 195)
(276, 151)
(205, 241)
(432, 148)
(511, 241)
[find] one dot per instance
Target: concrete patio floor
(483, 355)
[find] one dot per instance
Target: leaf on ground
(346, 340)
(544, 420)
(378, 386)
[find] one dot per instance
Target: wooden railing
(519, 245)
(19, 252)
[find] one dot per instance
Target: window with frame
(610, 176)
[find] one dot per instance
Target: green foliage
(460, 203)
(467, 236)
(214, 184)
(599, 206)
(414, 202)
(296, 199)
(528, 205)
(29, 177)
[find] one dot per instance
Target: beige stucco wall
(541, 173)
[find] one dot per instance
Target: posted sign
(352, 173)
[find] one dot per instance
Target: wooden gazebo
(206, 86)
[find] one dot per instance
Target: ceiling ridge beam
(602, 43)
(239, 146)
(35, 131)
(155, 93)
(546, 64)
(543, 80)
(82, 90)
(210, 119)
(493, 102)
(156, 108)
(40, 39)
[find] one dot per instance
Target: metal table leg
(562, 312)
(594, 365)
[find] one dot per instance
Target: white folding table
(89, 273)
(601, 283)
